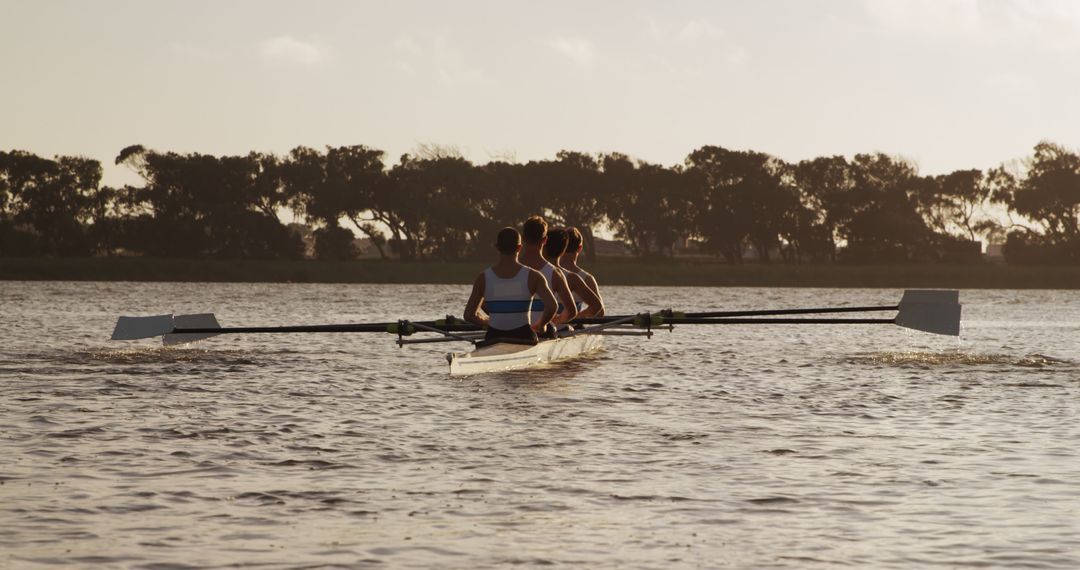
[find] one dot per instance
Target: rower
(506, 291)
(534, 234)
(587, 302)
(569, 264)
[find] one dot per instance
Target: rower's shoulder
(481, 279)
(533, 273)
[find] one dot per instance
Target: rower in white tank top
(548, 271)
(585, 276)
(508, 302)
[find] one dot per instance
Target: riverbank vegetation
(438, 206)
(613, 271)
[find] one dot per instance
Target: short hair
(508, 241)
(573, 239)
(556, 243)
(534, 230)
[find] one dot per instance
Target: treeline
(438, 205)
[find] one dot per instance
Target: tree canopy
(437, 205)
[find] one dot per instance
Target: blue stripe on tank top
(506, 306)
(538, 305)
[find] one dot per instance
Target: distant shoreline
(609, 272)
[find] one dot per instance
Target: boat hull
(500, 357)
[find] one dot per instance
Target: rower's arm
(595, 288)
(569, 311)
(538, 286)
(472, 307)
(594, 304)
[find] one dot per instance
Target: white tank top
(548, 271)
(507, 301)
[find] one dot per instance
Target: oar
(177, 329)
(933, 311)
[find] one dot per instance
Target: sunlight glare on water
(742, 446)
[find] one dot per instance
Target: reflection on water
(756, 446)
(957, 358)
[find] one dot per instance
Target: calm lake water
(737, 446)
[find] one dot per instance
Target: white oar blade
(931, 311)
(134, 328)
(197, 321)
(938, 296)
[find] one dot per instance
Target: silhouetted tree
(570, 187)
(743, 200)
(48, 202)
(346, 182)
(334, 243)
(883, 223)
(205, 205)
(1048, 194)
(649, 206)
(434, 201)
(824, 185)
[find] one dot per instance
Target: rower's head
(534, 231)
(574, 242)
(556, 244)
(508, 241)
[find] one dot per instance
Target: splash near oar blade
(931, 311)
(134, 328)
(196, 321)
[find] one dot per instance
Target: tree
(955, 202)
(882, 221)
(434, 204)
(347, 182)
(205, 205)
(649, 206)
(743, 200)
(824, 184)
(48, 202)
(570, 189)
(1048, 194)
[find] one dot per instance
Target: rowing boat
(504, 356)
(931, 311)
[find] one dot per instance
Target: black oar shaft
(766, 312)
(375, 327)
(779, 321)
(667, 315)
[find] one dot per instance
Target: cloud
(698, 30)
(454, 69)
(577, 50)
(1047, 24)
(931, 17)
(408, 45)
(736, 56)
(1051, 23)
(1011, 83)
(192, 51)
(287, 49)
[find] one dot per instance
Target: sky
(947, 84)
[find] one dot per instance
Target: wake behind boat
(931, 311)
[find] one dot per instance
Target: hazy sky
(949, 84)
